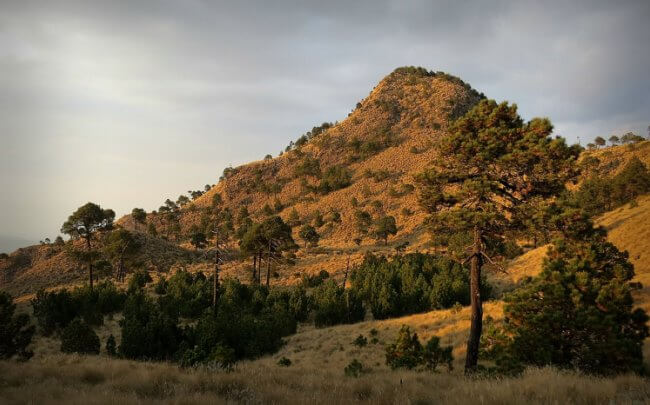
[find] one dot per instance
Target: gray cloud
(128, 103)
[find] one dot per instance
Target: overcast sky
(127, 103)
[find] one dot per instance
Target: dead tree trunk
(347, 269)
(476, 326)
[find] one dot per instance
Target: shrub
(334, 178)
(138, 280)
(315, 281)
(407, 352)
(360, 341)
(435, 355)
(354, 369)
(53, 310)
(15, 331)
(284, 362)
(79, 337)
(161, 286)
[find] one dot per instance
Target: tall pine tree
(491, 165)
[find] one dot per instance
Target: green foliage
(411, 283)
(334, 178)
(354, 369)
(139, 215)
(384, 227)
(600, 141)
(407, 352)
(188, 295)
(597, 195)
(362, 220)
(578, 313)
(147, 332)
(333, 305)
(249, 323)
(309, 235)
(294, 218)
(79, 337)
(307, 167)
(284, 362)
(55, 309)
(15, 330)
(87, 220)
(360, 341)
(138, 280)
(161, 286)
(315, 281)
(198, 240)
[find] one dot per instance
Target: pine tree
(492, 165)
(578, 313)
(84, 223)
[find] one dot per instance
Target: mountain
(348, 172)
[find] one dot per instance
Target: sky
(127, 103)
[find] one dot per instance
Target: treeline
(599, 194)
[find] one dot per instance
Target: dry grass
(98, 380)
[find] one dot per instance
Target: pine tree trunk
(90, 262)
(477, 307)
(254, 266)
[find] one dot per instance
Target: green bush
(354, 369)
(15, 330)
(407, 352)
(334, 178)
(284, 362)
(79, 337)
(360, 341)
(54, 310)
(138, 280)
(147, 332)
(333, 305)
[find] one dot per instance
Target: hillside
(383, 142)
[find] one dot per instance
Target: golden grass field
(99, 380)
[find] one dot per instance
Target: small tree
(384, 227)
(294, 218)
(614, 140)
(84, 223)
(79, 337)
(198, 240)
(309, 235)
(491, 166)
(599, 141)
(15, 330)
(578, 313)
(121, 247)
